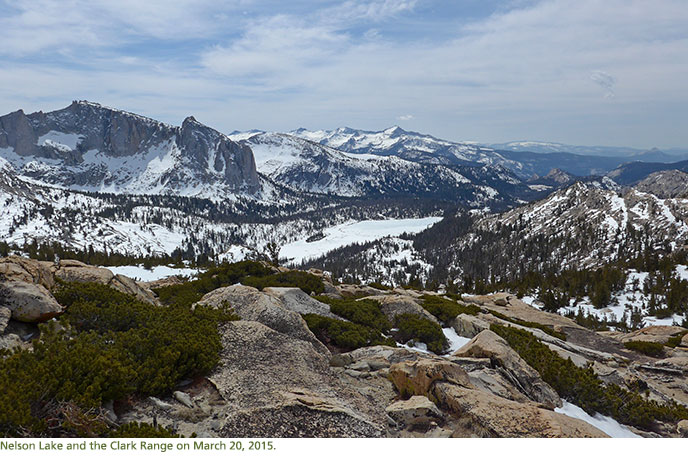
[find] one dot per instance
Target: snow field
(351, 233)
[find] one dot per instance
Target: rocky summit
(89, 147)
(295, 361)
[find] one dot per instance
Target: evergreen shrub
(582, 387)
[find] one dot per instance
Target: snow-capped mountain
(155, 225)
(607, 217)
(524, 159)
(407, 145)
(89, 147)
(584, 225)
(308, 166)
(92, 176)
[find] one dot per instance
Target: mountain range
(582, 226)
(630, 154)
(89, 175)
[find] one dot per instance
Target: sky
(586, 72)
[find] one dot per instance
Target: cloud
(276, 45)
(88, 25)
(357, 10)
(604, 80)
(405, 117)
(524, 71)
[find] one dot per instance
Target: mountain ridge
(90, 147)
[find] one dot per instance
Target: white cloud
(356, 10)
(524, 72)
(405, 117)
(604, 80)
(65, 25)
(276, 45)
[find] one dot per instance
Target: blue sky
(602, 72)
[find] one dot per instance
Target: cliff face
(90, 147)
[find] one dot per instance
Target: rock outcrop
(5, 315)
(489, 345)
(266, 375)
(269, 384)
(487, 415)
(657, 334)
(468, 325)
(415, 413)
(31, 303)
(395, 305)
(45, 274)
(15, 268)
(253, 305)
(682, 428)
(76, 271)
(299, 302)
(479, 413)
(350, 290)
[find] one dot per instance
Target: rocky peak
(559, 176)
(212, 150)
(88, 138)
(16, 131)
(189, 120)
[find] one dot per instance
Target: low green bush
(106, 346)
(419, 329)
(186, 294)
(529, 324)
(446, 310)
(307, 282)
(582, 387)
(365, 312)
(345, 335)
(651, 349)
(249, 273)
(676, 340)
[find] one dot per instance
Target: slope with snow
(608, 220)
(408, 145)
(623, 304)
(307, 166)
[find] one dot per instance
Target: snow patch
(60, 140)
(236, 253)
(138, 272)
(606, 424)
(455, 341)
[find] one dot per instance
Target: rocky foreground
(276, 379)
